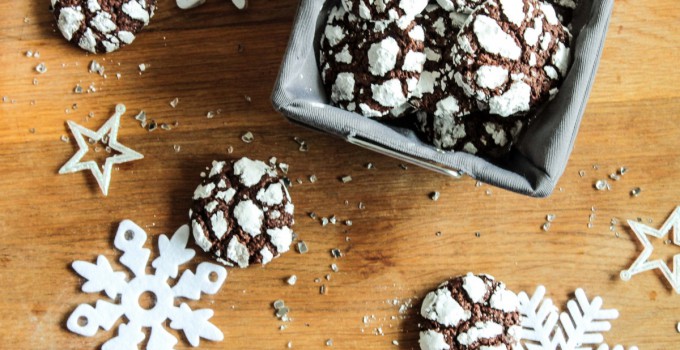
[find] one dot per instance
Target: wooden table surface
(217, 58)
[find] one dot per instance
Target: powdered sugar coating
(484, 326)
(384, 10)
(370, 67)
(241, 224)
(102, 27)
(439, 306)
(431, 340)
(502, 53)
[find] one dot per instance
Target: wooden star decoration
(642, 263)
(107, 134)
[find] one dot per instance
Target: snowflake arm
(100, 277)
(173, 253)
(130, 239)
(86, 320)
(190, 286)
(195, 324)
(539, 319)
(585, 321)
(161, 339)
(129, 336)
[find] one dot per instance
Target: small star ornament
(642, 263)
(107, 134)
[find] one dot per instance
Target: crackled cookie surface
(242, 213)
(441, 27)
(370, 68)
(511, 55)
(472, 312)
(384, 10)
(101, 26)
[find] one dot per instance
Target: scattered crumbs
(152, 125)
(602, 185)
(166, 126)
(177, 148)
(488, 192)
(141, 117)
(615, 176)
(312, 178)
(322, 290)
(334, 267)
(362, 206)
(677, 327)
(64, 138)
(95, 67)
(596, 167)
(302, 247)
(346, 202)
(324, 221)
(247, 98)
(301, 143)
(403, 166)
(434, 196)
(174, 102)
(438, 233)
(142, 68)
(210, 115)
(272, 161)
(35, 81)
(312, 215)
(317, 280)
(546, 226)
(328, 277)
(635, 192)
(550, 217)
(478, 184)
(395, 342)
(581, 173)
(369, 166)
(329, 342)
(333, 220)
(478, 234)
(248, 137)
(31, 130)
(283, 167)
(348, 222)
(346, 179)
(292, 280)
(118, 75)
(41, 68)
(299, 181)
(290, 345)
(336, 253)
(29, 53)
(230, 149)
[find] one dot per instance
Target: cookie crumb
(434, 196)
(302, 247)
(41, 68)
(346, 179)
(635, 192)
(248, 137)
(292, 280)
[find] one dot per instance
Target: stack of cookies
(471, 73)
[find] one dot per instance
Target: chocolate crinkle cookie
(242, 213)
(512, 55)
(472, 312)
(371, 67)
(102, 26)
(384, 10)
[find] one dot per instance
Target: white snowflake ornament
(578, 328)
(86, 320)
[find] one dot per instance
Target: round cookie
(472, 313)
(242, 213)
(440, 28)
(511, 55)
(384, 10)
(370, 68)
(478, 133)
(464, 6)
(102, 26)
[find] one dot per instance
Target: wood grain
(211, 58)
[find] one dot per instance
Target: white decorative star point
(642, 263)
(109, 133)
